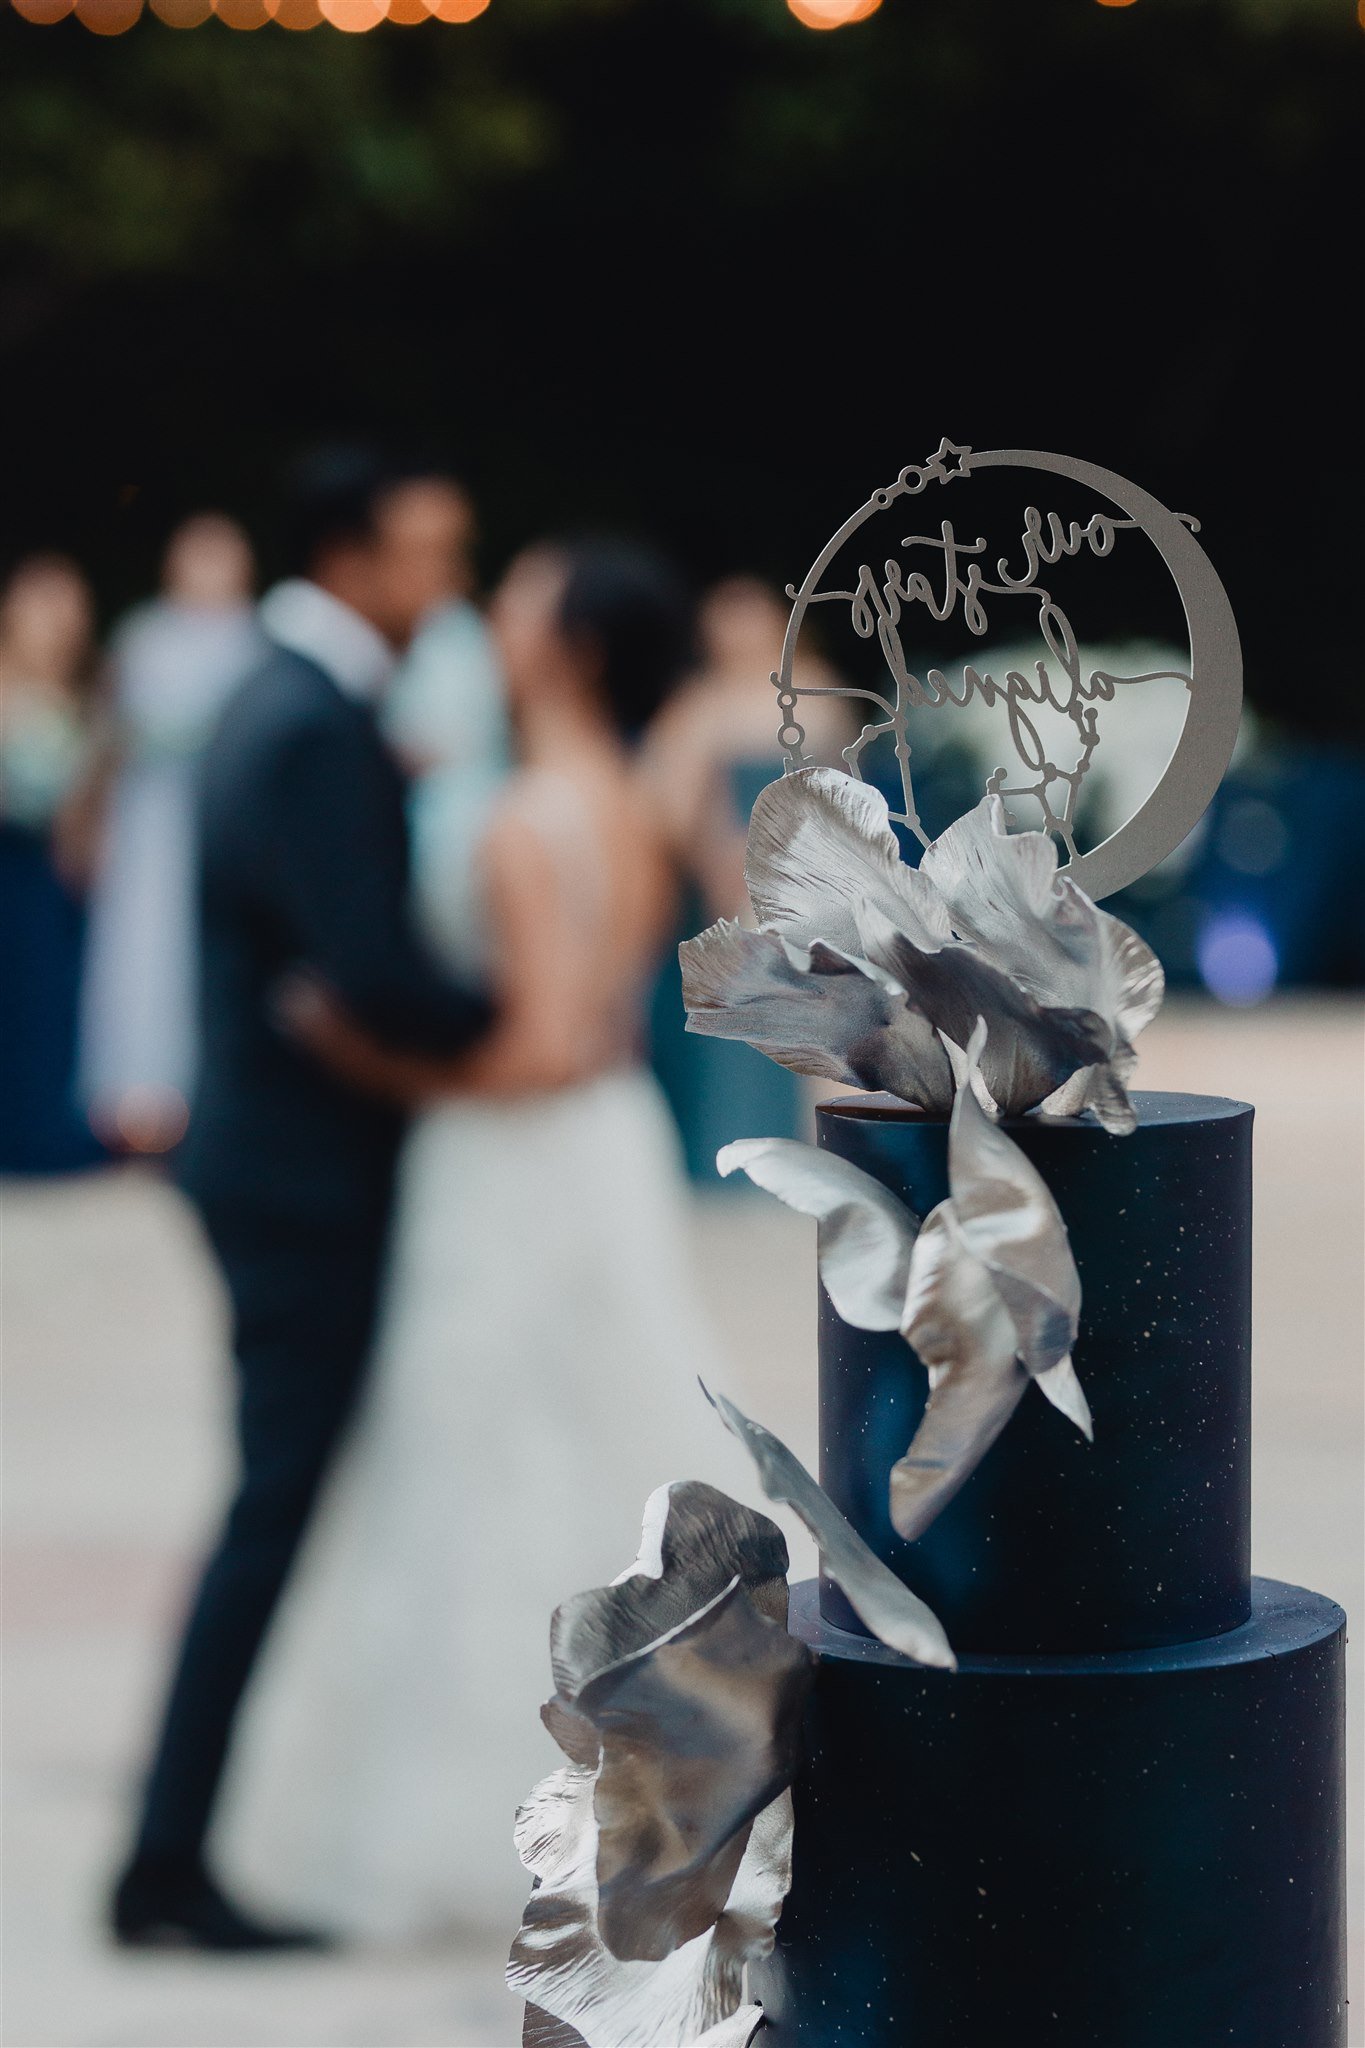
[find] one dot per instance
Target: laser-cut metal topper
(950, 579)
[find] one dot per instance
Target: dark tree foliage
(683, 266)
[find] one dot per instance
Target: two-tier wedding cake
(1036, 1763)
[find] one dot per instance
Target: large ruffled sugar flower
(662, 1849)
(866, 971)
(985, 1290)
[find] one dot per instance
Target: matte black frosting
(1138, 1850)
(1055, 1544)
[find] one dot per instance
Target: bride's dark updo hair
(632, 609)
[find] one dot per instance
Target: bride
(535, 1375)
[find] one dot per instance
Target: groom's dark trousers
(303, 865)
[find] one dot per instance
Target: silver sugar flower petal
(865, 1236)
(700, 1733)
(994, 1298)
(737, 2032)
(884, 1603)
(1003, 893)
(679, 1694)
(816, 1010)
(1032, 1048)
(695, 1541)
(563, 1968)
(1067, 1395)
(958, 1324)
(820, 843)
(1008, 1220)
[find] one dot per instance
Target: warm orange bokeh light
(44, 10)
(181, 13)
(353, 17)
(832, 13)
(459, 10)
(295, 14)
(108, 17)
(1116, 3)
(407, 13)
(242, 13)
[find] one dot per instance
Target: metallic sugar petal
(994, 1296)
(1032, 1048)
(818, 1011)
(699, 1734)
(820, 843)
(1067, 1395)
(1003, 893)
(737, 2032)
(895, 1615)
(961, 1329)
(560, 1964)
(1009, 1221)
(696, 1540)
(680, 1688)
(865, 1234)
(540, 2029)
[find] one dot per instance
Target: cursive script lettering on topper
(942, 575)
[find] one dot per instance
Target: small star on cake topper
(936, 469)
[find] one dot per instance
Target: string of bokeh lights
(353, 17)
(115, 17)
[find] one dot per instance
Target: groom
(303, 864)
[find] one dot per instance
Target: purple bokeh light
(1238, 960)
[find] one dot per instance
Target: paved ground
(113, 1336)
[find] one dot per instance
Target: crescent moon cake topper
(962, 578)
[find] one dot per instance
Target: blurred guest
(709, 753)
(714, 746)
(46, 650)
(446, 716)
(304, 863)
(536, 1371)
(173, 663)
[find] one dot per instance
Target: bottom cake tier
(1138, 1850)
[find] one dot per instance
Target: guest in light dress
(173, 663)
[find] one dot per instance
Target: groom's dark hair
(332, 495)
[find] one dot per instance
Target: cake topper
(968, 579)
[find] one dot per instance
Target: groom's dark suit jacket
(304, 863)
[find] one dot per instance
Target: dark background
(686, 266)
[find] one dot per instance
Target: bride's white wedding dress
(535, 1379)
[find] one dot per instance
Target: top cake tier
(1054, 1544)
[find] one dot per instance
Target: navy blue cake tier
(1142, 1849)
(1056, 1545)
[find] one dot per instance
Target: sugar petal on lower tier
(561, 1965)
(884, 1603)
(699, 1734)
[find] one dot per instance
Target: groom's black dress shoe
(154, 1908)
